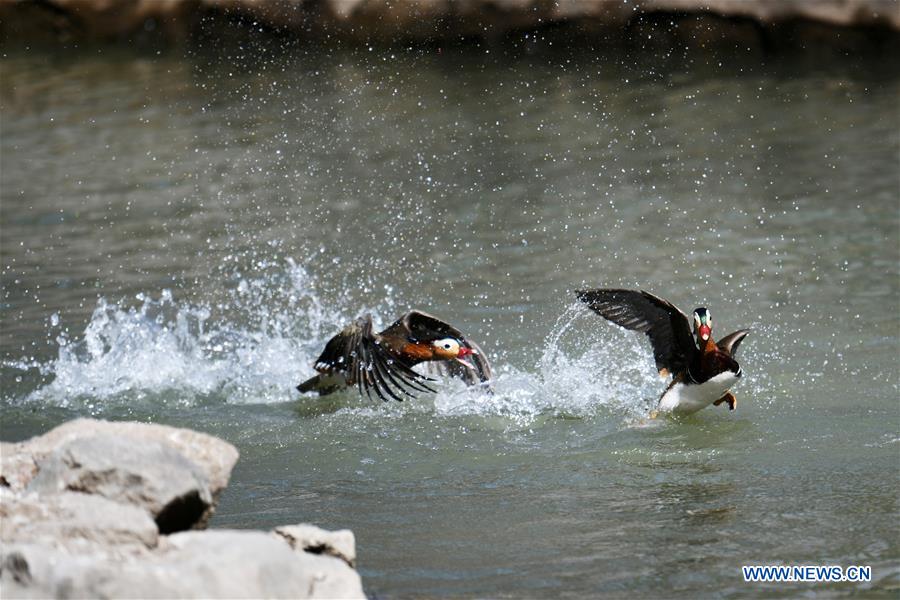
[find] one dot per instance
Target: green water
(181, 234)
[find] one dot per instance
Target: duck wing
(359, 355)
(730, 342)
(421, 327)
(667, 327)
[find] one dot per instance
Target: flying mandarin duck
(383, 362)
(702, 370)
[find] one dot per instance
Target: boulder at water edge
(102, 509)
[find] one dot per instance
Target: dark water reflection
(276, 195)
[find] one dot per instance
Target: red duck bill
(464, 351)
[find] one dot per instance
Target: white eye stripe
(448, 344)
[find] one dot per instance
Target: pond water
(182, 232)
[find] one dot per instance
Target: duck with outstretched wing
(702, 370)
(383, 362)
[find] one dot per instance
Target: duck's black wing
(359, 355)
(422, 327)
(667, 327)
(730, 342)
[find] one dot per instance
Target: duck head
(451, 349)
(702, 324)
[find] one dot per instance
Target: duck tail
(310, 385)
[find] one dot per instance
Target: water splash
(260, 339)
(167, 348)
(578, 374)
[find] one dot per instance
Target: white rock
(315, 540)
(74, 520)
(194, 564)
(144, 473)
(77, 508)
(215, 457)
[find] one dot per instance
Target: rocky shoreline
(742, 24)
(119, 509)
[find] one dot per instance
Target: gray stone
(17, 468)
(16, 578)
(144, 473)
(74, 520)
(403, 20)
(177, 505)
(215, 457)
(207, 564)
(41, 571)
(77, 508)
(315, 540)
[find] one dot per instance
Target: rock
(147, 474)
(426, 20)
(213, 456)
(40, 571)
(312, 539)
(176, 474)
(207, 564)
(74, 520)
(261, 565)
(17, 468)
(77, 510)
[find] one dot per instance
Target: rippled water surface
(180, 235)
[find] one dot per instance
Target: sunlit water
(181, 235)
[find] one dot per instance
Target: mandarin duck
(383, 362)
(702, 370)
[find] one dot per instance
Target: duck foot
(729, 398)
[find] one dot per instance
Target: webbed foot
(729, 398)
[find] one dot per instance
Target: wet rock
(148, 474)
(309, 538)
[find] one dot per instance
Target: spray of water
(273, 323)
(163, 347)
